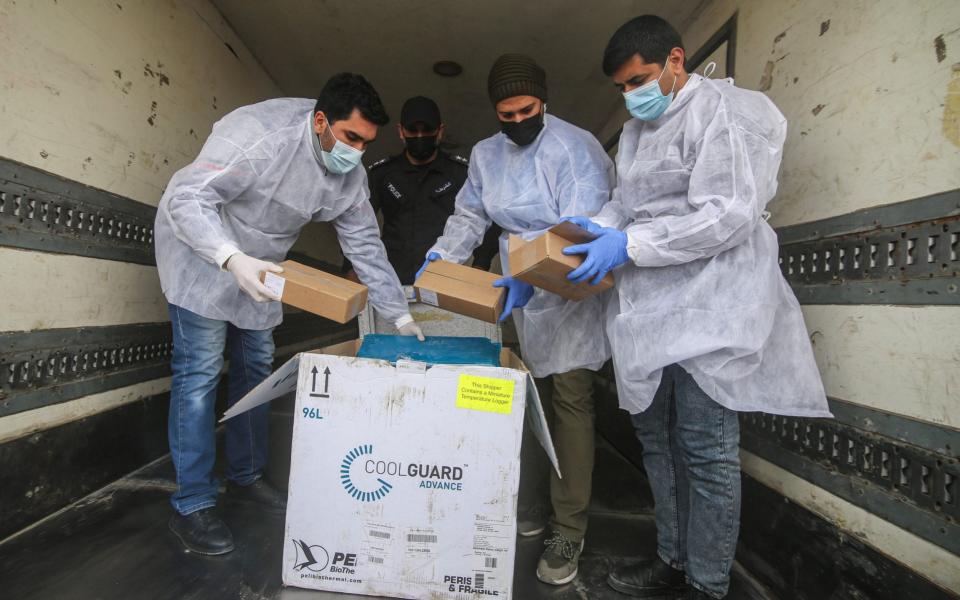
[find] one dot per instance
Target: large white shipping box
(403, 478)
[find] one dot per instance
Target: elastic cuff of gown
(224, 252)
(641, 253)
(604, 222)
(404, 320)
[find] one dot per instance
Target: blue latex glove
(584, 223)
(604, 254)
(430, 258)
(518, 294)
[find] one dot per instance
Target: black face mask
(421, 148)
(524, 132)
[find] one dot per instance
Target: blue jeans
(691, 455)
(198, 345)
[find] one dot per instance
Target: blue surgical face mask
(647, 102)
(342, 158)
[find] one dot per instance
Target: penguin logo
(311, 558)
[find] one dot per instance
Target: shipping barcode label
(490, 562)
(422, 538)
(486, 394)
(478, 581)
(429, 297)
(274, 283)
(378, 545)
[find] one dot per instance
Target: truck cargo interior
(102, 101)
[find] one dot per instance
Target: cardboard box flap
(535, 415)
(522, 256)
(538, 424)
(569, 231)
(349, 348)
(462, 273)
(572, 232)
(280, 382)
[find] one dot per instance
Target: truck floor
(115, 544)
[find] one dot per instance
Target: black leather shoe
(202, 532)
(258, 492)
(652, 579)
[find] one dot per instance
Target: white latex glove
(411, 328)
(246, 270)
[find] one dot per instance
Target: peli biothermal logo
(310, 557)
(352, 489)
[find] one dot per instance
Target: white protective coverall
(257, 181)
(525, 190)
(708, 294)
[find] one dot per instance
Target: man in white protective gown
(266, 170)
(525, 178)
(702, 324)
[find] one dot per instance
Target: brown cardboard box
(542, 263)
(316, 291)
(463, 290)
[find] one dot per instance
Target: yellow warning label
(486, 394)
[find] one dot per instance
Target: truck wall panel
(869, 98)
(118, 95)
(47, 291)
(894, 358)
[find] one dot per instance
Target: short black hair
(347, 91)
(647, 35)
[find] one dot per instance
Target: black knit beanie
(516, 75)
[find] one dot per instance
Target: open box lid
(567, 230)
(284, 381)
(572, 232)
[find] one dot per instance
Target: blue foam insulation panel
(436, 350)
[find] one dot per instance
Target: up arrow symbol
(326, 383)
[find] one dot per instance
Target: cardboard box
(542, 263)
(317, 291)
(462, 290)
(403, 479)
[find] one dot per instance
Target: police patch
(393, 190)
(446, 186)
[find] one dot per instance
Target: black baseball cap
(420, 109)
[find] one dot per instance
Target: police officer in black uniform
(416, 191)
